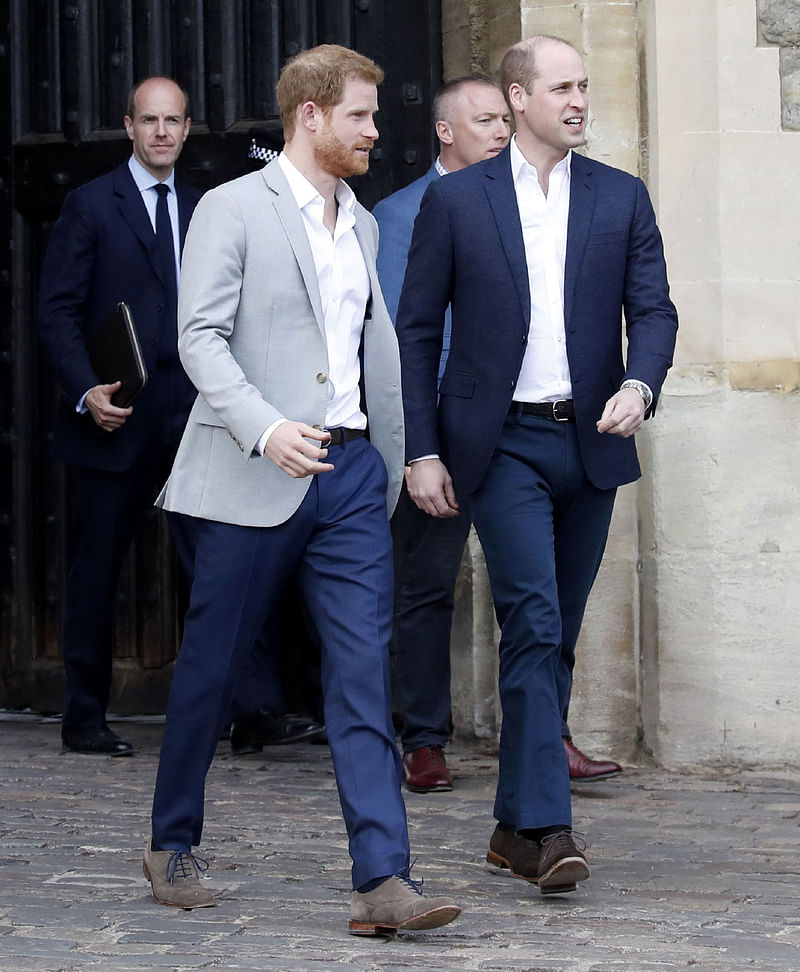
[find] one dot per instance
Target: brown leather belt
(340, 435)
(561, 411)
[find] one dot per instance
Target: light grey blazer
(251, 337)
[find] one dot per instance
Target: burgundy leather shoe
(425, 771)
(585, 770)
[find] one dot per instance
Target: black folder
(116, 355)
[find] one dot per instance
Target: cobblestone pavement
(689, 871)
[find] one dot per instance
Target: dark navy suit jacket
(103, 250)
(467, 250)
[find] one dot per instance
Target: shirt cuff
(642, 387)
(261, 445)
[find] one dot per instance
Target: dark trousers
(543, 527)
(427, 558)
(339, 546)
(109, 507)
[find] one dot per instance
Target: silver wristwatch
(642, 388)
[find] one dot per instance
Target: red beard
(338, 159)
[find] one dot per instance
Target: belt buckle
(561, 401)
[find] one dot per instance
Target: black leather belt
(341, 435)
(561, 411)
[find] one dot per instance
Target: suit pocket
(457, 383)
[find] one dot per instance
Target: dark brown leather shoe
(561, 864)
(425, 771)
(520, 855)
(585, 770)
(100, 741)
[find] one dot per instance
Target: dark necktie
(166, 249)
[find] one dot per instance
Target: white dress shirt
(344, 289)
(544, 375)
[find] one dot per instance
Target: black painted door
(66, 68)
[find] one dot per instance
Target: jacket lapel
(499, 187)
(132, 209)
(292, 221)
(185, 210)
(367, 243)
(581, 210)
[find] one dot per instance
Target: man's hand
(106, 415)
(288, 449)
(623, 414)
(430, 486)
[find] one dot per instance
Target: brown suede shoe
(520, 855)
(561, 864)
(174, 878)
(425, 771)
(398, 905)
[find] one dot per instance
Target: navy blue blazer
(103, 250)
(467, 251)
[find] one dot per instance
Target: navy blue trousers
(543, 527)
(339, 547)
(427, 558)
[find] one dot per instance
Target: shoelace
(405, 877)
(571, 835)
(183, 864)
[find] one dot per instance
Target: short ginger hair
(319, 75)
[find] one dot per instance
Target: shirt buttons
(322, 378)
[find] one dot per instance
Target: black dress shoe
(262, 728)
(100, 741)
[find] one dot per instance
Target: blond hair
(319, 75)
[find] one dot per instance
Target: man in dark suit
(472, 123)
(538, 252)
(118, 239)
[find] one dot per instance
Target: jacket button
(317, 427)
(321, 378)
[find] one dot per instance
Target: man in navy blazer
(104, 249)
(472, 123)
(538, 252)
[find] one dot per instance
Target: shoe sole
(443, 788)
(251, 749)
(564, 875)
(505, 864)
(94, 752)
(434, 918)
(595, 779)
(173, 904)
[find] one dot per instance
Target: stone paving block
(688, 871)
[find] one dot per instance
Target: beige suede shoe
(175, 880)
(398, 905)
